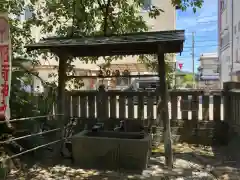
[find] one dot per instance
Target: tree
(94, 17)
(68, 18)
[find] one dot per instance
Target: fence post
(227, 86)
(102, 102)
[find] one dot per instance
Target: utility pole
(193, 62)
(232, 44)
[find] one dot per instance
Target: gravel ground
(186, 166)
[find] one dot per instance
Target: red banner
(5, 78)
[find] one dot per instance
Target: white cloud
(207, 29)
(205, 19)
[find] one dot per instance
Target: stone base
(111, 150)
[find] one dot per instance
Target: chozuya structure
(128, 44)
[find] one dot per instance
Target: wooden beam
(164, 109)
(111, 50)
(111, 76)
(62, 68)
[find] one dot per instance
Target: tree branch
(31, 73)
(106, 18)
(106, 13)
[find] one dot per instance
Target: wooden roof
(127, 44)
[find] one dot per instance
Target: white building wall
(209, 64)
(236, 36)
(229, 47)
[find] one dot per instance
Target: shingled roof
(126, 44)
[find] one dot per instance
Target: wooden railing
(183, 104)
(232, 106)
(234, 110)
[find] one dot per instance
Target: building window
(147, 4)
(237, 60)
(218, 68)
(223, 5)
(239, 26)
(124, 81)
(238, 55)
(28, 13)
(235, 29)
(225, 39)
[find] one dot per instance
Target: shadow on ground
(189, 163)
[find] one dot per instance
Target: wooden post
(61, 89)
(164, 110)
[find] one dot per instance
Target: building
(229, 34)
(208, 71)
(166, 21)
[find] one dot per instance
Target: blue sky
(204, 24)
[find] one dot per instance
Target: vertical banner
(5, 66)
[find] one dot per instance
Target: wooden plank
(217, 108)
(91, 106)
(235, 110)
(113, 106)
(238, 112)
(140, 105)
(106, 105)
(130, 106)
(83, 106)
(174, 108)
(230, 117)
(150, 105)
(122, 107)
(195, 107)
(75, 106)
(184, 106)
(102, 105)
(67, 105)
(205, 108)
(98, 106)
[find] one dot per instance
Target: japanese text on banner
(5, 66)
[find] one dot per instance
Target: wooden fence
(232, 106)
(234, 110)
(185, 105)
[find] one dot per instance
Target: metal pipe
(33, 149)
(29, 118)
(29, 135)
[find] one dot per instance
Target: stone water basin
(110, 150)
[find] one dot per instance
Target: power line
(205, 17)
(187, 34)
(206, 41)
(202, 46)
(207, 22)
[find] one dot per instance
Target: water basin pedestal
(110, 150)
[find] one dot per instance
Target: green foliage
(151, 63)
(184, 4)
(188, 78)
